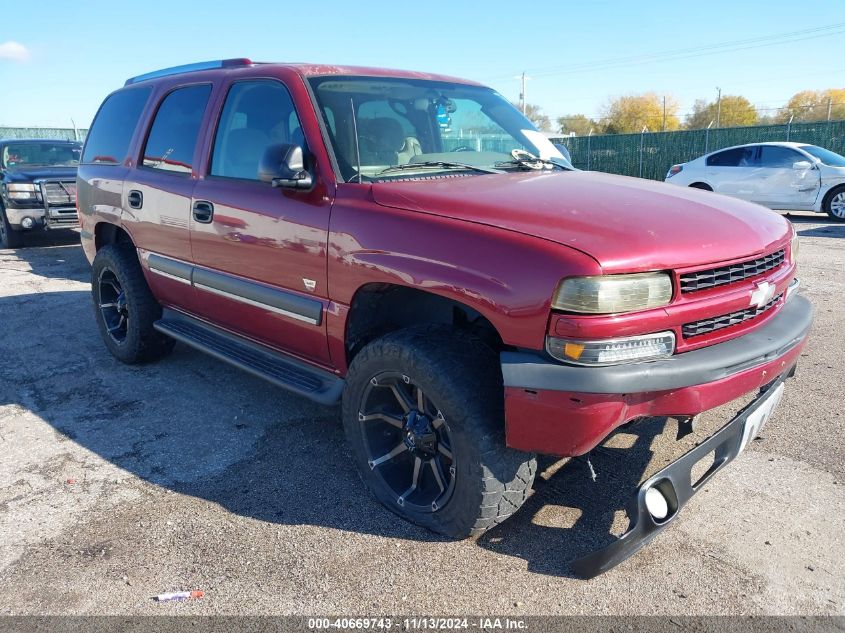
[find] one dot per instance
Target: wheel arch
(110, 233)
(380, 308)
(830, 193)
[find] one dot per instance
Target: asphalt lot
(118, 483)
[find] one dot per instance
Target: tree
(631, 113)
(535, 114)
(767, 119)
(734, 111)
(578, 124)
(812, 105)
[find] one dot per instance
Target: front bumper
(675, 483)
(50, 217)
(15, 215)
(566, 410)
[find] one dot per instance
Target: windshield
(35, 154)
(825, 155)
(406, 126)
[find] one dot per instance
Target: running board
(275, 367)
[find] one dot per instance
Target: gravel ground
(118, 483)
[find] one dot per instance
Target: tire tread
(145, 343)
(502, 476)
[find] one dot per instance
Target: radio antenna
(355, 130)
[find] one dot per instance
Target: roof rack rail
(187, 68)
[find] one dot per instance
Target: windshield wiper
(526, 160)
(440, 163)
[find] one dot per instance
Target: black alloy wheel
(112, 305)
(423, 409)
(407, 441)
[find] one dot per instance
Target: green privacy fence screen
(43, 132)
(651, 154)
(648, 155)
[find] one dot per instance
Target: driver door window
(257, 114)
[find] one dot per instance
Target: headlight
(614, 351)
(793, 248)
(610, 294)
(20, 191)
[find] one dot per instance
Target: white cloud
(14, 51)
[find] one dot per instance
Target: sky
(58, 60)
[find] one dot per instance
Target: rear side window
(736, 157)
(110, 135)
(775, 156)
(257, 114)
(173, 135)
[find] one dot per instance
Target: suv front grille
(705, 326)
(703, 279)
(59, 193)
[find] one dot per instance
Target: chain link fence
(651, 154)
(68, 134)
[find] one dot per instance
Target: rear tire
(702, 186)
(9, 238)
(834, 204)
(124, 307)
(455, 475)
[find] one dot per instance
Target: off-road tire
(461, 376)
(9, 238)
(828, 200)
(142, 343)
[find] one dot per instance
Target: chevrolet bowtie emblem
(762, 294)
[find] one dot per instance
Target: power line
(697, 51)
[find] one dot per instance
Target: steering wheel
(464, 148)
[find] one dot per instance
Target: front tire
(9, 238)
(701, 185)
(423, 410)
(834, 204)
(124, 307)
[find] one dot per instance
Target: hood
(626, 224)
(28, 174)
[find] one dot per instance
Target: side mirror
(283, 165)
(802, 165)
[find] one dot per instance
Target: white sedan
(788, 176)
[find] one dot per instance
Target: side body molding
(244, 291)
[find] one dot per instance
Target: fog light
(656, 504)
(612, 351)
(27, 223)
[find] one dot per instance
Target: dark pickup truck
(411, 246)
(37, 187)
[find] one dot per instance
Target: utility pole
(718, 106)
(523, 99)
(829, 107)
(664, 113)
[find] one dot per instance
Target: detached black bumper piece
(675, 485)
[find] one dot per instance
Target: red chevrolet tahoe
(410, 245)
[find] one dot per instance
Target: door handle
(136, 199)
(203, 211)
